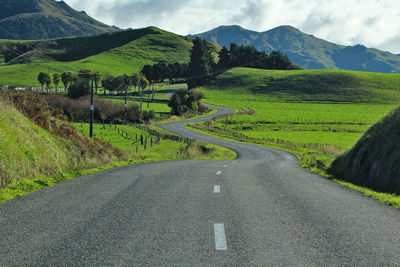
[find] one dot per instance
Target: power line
(35, 50)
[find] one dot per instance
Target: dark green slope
(375, 160)
(307, 50)
(45, 19)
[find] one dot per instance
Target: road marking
(220, 239)
(219, 172)
(225, 166)
(217, 189)
(233, 162)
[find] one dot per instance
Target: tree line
(159, 72)
(79, 84)
(203, 68)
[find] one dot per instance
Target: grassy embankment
(317, 115)
(34, 156)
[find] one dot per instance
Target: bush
(185, 101)
(104, 111)
(148, 115)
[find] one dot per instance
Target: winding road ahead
(261, 209)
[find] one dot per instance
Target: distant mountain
(307, 50)
(45, 19)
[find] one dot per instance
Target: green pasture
(165, 150)
(288, 105)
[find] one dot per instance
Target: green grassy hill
(375, 160)
(114, 53)
(310, 85)
(44, 19)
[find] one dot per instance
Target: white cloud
(373, 23)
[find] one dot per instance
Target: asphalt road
(260, 209)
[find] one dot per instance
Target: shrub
(105, 111)
(148, 115)
(185, 101)
(32, 106)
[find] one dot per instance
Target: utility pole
(125, 114)
(141, 98)
(91, 109)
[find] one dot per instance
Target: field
(321, 113)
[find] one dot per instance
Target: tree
(224, 59)
(199, 71)
(47, 80)
(85, 75)
(81, 85)
(42, 79)
(66, 79)
(96, 78)
(142, 84)
(135, 78)
(107, 83)
(56, 80)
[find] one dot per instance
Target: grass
(309, 85)
(389, 199)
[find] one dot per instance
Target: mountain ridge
(306, 50)
(45, 19)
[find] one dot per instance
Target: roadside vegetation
(37, 142)
(41, 147)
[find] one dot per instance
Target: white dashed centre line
(220, 239)
(225, 166)
(219, 172)
(217, 189)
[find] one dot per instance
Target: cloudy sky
(373, 23)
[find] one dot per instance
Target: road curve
(261, 209)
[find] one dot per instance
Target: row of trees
(78, 84)
(161, 71)
(67, 78)
(125, 83)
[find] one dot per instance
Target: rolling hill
(322, 86)
(115, 53)
(45, 19)
(307, 50)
